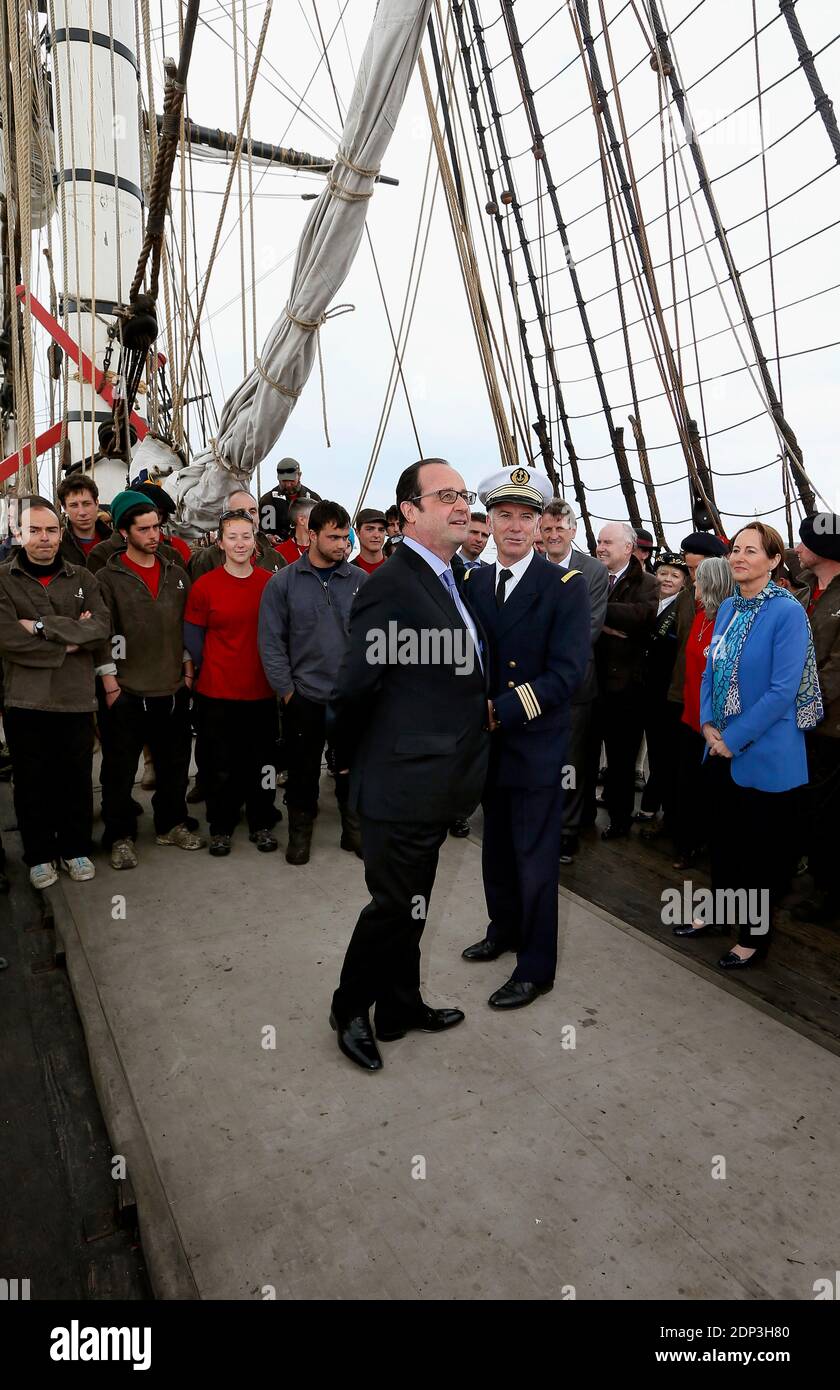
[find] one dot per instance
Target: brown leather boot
(300, 837)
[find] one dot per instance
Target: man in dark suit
(619, 655)
(558, 528)
(411, 724)
(536, 617)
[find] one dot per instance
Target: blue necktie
(448, 580)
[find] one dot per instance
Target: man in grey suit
(558, 528)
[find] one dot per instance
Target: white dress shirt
(517, 569)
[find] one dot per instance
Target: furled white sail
(254, 416)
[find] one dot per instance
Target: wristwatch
(38, 628)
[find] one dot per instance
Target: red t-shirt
(696, 655)
(45, 579)
(366, 565)
(87, 543)
(290, 550)
(228, 609)
(815, 598)
(179, 544)
(150, 575)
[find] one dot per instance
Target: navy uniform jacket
(540, 643)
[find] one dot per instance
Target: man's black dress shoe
(733, 962)
(517, 993)
(426, 1021)
(484, 950)
(615, 832)
(460, 829)
(569, 846)
(355, 1040)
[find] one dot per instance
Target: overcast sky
(442, 370)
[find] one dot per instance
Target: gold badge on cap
(520, 476)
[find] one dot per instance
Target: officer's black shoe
(615, 832)
(569, 846)
(459, 829)
(705, 930)
(516, 994)
(484, 950)
(427, 1020)
(355, 1040)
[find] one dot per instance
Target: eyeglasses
(447, 495)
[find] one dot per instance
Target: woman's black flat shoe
(694, 931)
(732, 962)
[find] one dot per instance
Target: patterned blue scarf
(726, 660)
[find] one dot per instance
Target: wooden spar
(224, 142)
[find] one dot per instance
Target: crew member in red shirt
(371, 531)
(236, 707)
(298, 542)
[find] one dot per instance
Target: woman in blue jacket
(759, 693)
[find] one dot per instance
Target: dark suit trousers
(574, 797)
(620, 720)
(519, 860)
(382, 963)
(662, 718)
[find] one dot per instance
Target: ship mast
(99, 188)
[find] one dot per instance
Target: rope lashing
(339, 190)
(278, 385)
(314, 326)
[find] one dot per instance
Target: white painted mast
(97, 140)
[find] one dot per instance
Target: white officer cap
(523, 485)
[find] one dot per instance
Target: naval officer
(536, 617)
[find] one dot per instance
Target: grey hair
(239, 491)
(713, 583)
(559, 507)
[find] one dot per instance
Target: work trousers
(822, 817)
(519, 861)
(52, 761)
(750, 849)
(382, 964)
(163, 724)
(619, 721)
(237, 761)
(304, 736)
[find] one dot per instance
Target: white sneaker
(80, 869)
(43, 875)
(123, 854)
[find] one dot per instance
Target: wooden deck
(801, 974)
